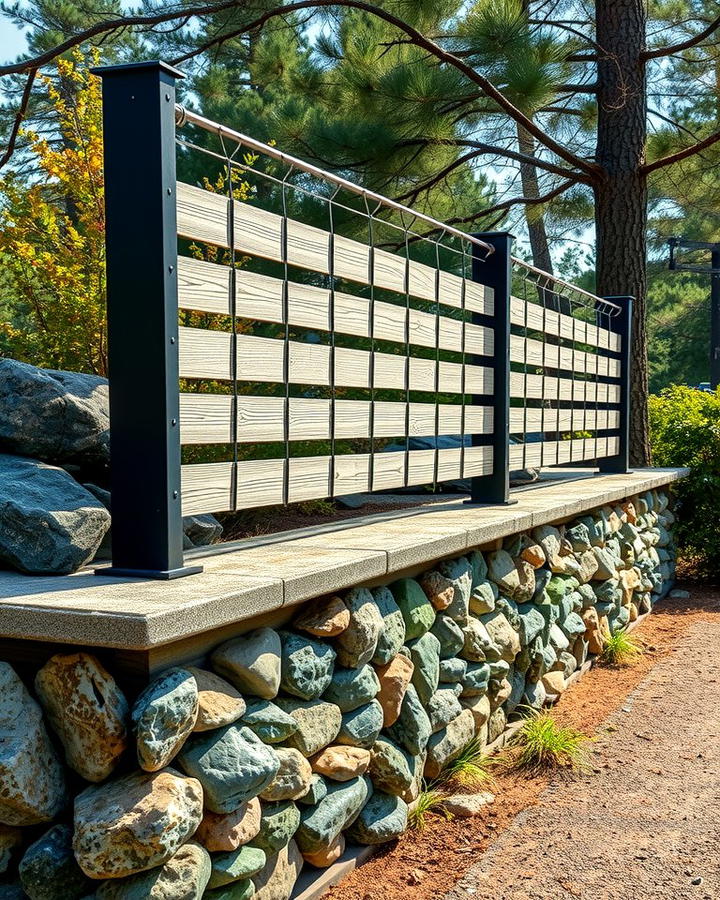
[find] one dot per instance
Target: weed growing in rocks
(430, 799)
(470, 770)
(542, 745)
(621, 649)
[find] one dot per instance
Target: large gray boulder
(49, 524)
(59, 417)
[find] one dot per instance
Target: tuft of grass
(542, 745)
(470, 770)
(621, 649)
(429, 800)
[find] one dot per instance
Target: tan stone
(634, 612)
(439, 589)
(324, 617)
(135, 823)
(535, 555)
(341, 763)
(502, 693)
(554, 682)
(479, 707)
(464, 806)
(593, 632)
(228, 831)
(321, 859)
(277, 879)
(630, 580)
(394, 679)
(219, 703)
(629, 510)
(293, 777)
(32, 780)
(87, 711)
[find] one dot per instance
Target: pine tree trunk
(621, 195)
(530, 187)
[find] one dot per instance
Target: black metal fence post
(141, 242)
(495, 271)
(622, 324)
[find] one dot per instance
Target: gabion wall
(221, 782)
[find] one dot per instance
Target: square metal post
(622, 324)
(495, 271)
(141, 242)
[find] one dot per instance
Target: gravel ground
(646, 822)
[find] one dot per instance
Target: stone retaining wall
(222, 782)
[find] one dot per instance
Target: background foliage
(685, 431)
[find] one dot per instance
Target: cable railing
(278, 334)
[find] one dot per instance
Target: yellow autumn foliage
(52, 231)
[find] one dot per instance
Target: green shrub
(685, 431)
(542, 745)
(469, 770)
(429, 800)
(621, 649)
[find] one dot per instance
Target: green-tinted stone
(482, 599)
(317, 790)
(232, 764)
(392, 768)
(412, 729)
(559, 585)
(450, 635)
(48, 869)
(510, 609)
(499, 669)
(383, 818)
(392, 636)
(321, 824)
(442, 708)
(417, 611)
(478, 566)
(475, 682)
(318, 723)
(361, 726)
(351, 688)
(306, 665)
(532, 623)
(183, 877)
(573, 626)
(278, 823)
(579, 537)
(460, 572)
(268, 721)
(236, 865)
(452, 671)
(425, 656)
(238, 890)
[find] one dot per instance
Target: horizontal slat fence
(300, 340)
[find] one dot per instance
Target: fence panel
(278, 334)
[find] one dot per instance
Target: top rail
(184, 116)
(599, 303)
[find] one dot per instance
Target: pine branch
(681, 154)
(149, 21)
(19, 116)
(492, 150)
(656, 52)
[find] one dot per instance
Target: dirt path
(644, 825)
(647, 823)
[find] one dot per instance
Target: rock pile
(54, 471)
(222, 782)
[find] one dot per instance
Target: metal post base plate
(150, 574)
(489, 503)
